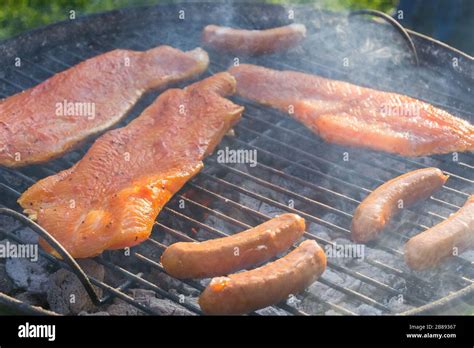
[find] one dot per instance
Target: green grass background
(17, 16)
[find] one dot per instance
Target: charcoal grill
(296, 171)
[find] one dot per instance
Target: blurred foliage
(17, 16)
(341, 5)
(20, 15)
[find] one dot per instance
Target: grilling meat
(111, 197)
(347, 114)
(448, 238)
(244, 292)
(53, 117)
(376, 210)
(229, 254)
(253, 42)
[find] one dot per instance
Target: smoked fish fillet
(47, 120)
(111, 197)
(348, 114)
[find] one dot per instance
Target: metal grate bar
(29, 77)
(173, 232)
(39, 67)
(56, 60)
(281, 189)
(215, 213)
(275, 203)
(23, 307)
(304, 167)
(149, 285)
(16, 86)
(354, 293)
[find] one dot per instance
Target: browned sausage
(428, 248)
(244, 292)
(377, 209)
(253, 42)
(229, 254)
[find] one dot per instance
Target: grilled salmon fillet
(111, 197)
(348, 114)
(51, 118)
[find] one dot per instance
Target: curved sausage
(244, 292)
(428, 248)
(253, 42)
(377, 209)
(229, 254)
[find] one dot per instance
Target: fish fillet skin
(98, 93)
(111, 197)
(347, 114)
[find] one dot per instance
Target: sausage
(226, 255)
(376, 210)
(253, 42)
(244, 292)
(428, 248)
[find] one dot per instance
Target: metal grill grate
(293, 164)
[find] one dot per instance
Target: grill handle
(394, 23)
